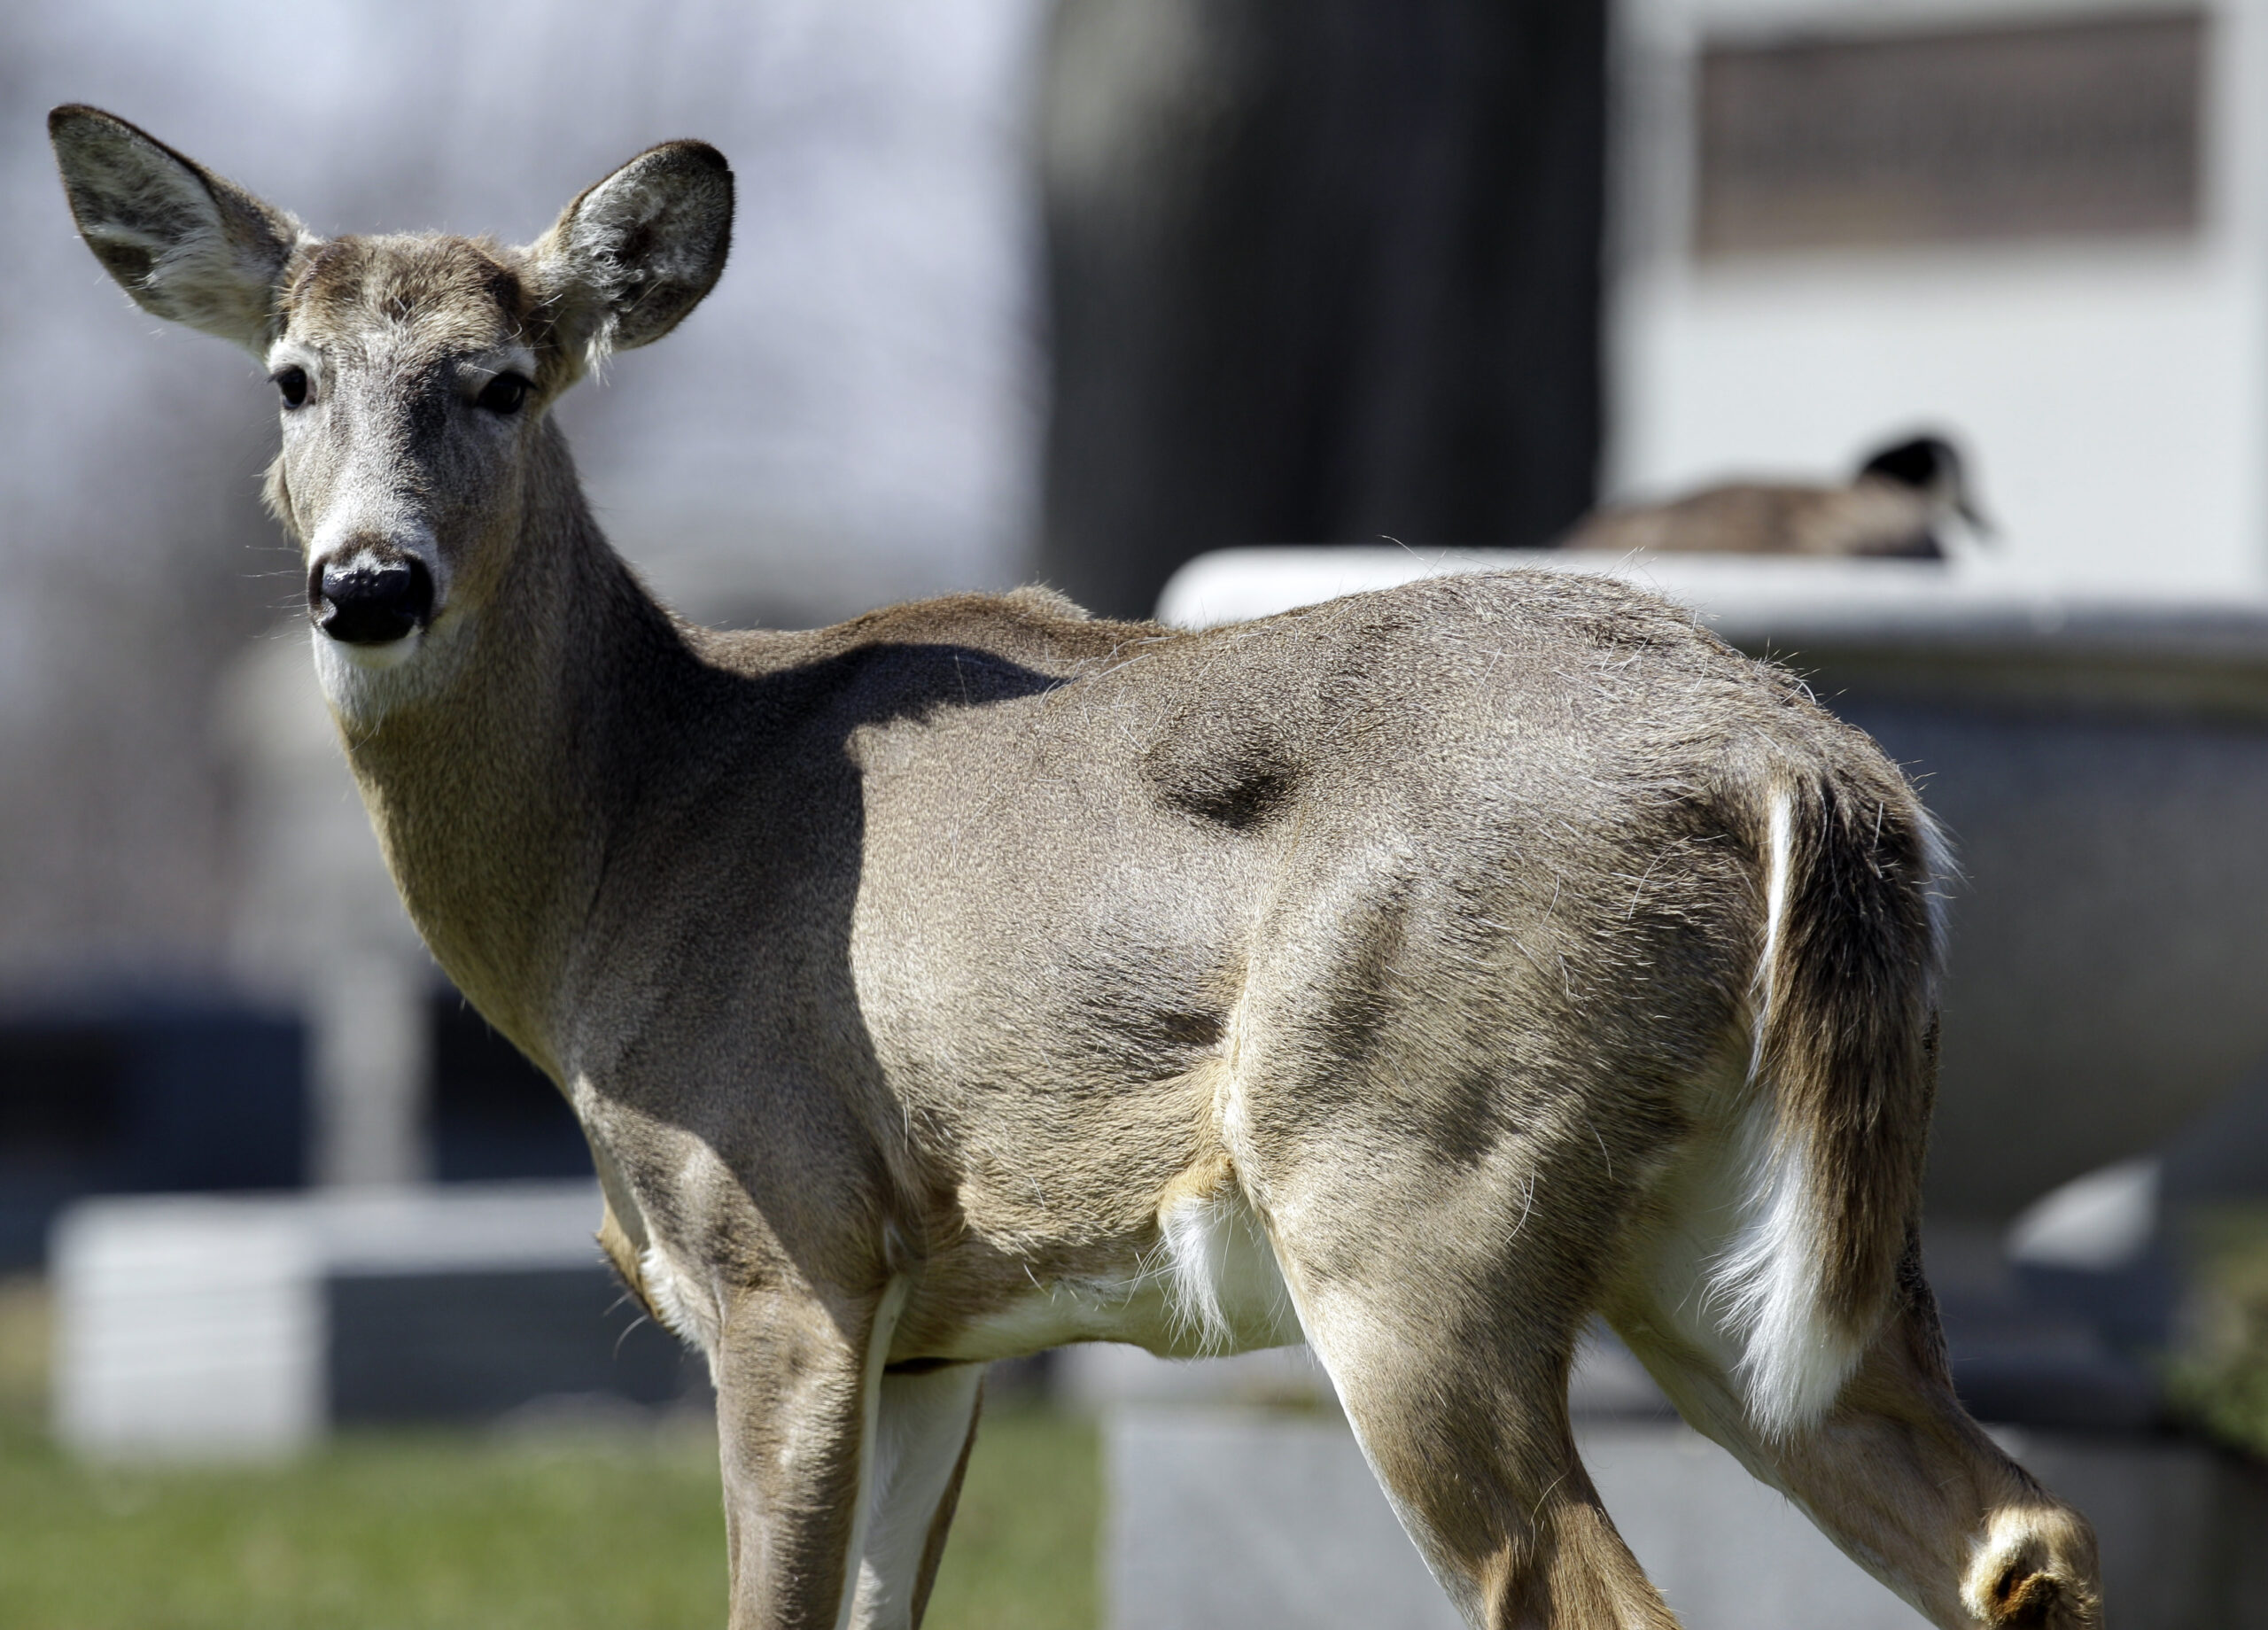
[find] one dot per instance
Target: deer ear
(628, 260)
(185, 244)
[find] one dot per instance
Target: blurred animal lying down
(1900, 504)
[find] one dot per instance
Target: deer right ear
(626, 262)
(184, 242)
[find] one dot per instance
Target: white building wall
(2110, 390)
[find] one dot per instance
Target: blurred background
(1087, 292)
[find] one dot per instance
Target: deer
(1420, 974)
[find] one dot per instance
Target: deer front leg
(797, 1379)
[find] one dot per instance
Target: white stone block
(197, 1326)
(187, 1327)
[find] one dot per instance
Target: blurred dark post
(1321, 271)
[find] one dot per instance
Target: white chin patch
(379, 658)
(362, 682)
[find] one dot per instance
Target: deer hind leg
(1900, 1478)
(1451, 1358)
(1468, 1434)
(925, 1426)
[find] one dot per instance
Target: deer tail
(1841, 1078)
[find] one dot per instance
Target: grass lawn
(427, 1530)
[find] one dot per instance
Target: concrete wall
(2114, 388)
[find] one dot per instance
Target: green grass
(437, 1531)
(378, 1532)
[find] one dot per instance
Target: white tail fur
(1767, 1281)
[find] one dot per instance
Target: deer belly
(1209, 1284)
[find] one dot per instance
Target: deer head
(415, 374)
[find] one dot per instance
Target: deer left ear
(186, 244)
(626, 262)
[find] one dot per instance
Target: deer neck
(494, 789)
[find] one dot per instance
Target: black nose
(370, 603)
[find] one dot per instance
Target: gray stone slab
(1729, 1552)
(1247, 1518)
(1235, 1517)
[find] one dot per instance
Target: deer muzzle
(369, 600)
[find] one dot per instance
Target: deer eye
(292, 382)
(503, 394)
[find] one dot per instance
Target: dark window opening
(495, 1116)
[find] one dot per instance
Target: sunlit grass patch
(438, 1531)
(397, 1531)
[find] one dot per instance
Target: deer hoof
(2036, 1570)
